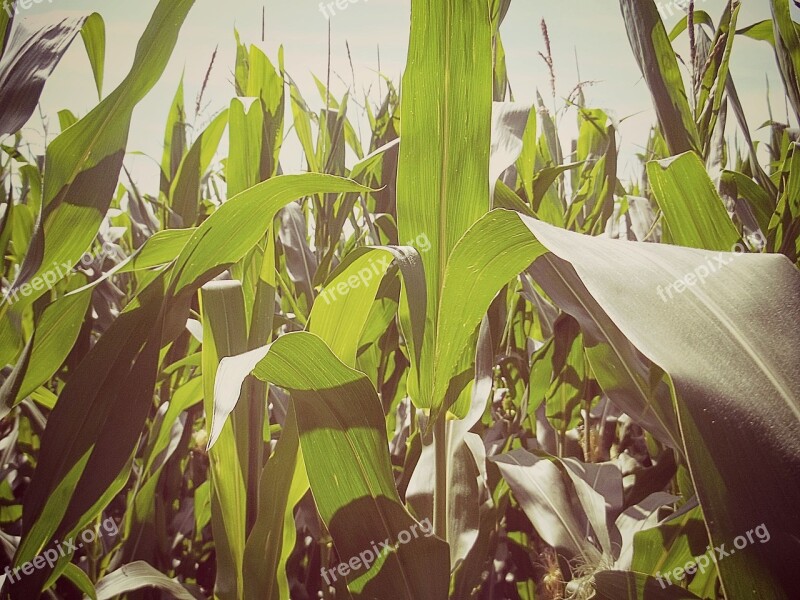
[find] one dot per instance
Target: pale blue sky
(591, 29)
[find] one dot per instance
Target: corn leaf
(225, 334)
(241, 222)
(341, 423)
(443, 173)
(92, 432)
(735, 369)
(283, 484)
(340, 313)
(657, 62)
(184, 193)
(85, 160)
(28, 60)
(787, 50)
(55, 333)
(694, 213)
(93, 33)
(135, 576)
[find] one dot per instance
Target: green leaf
(243, 167)
(694, 213)
(787, 50)
(567, 389)
(302, 126)
(94, 38)
(739, 186)
(81, 580)
(6, 21)
(225, 334)
(505, 197)
(184, 193)
(340, 313)
(54, 334)
(135, 576)
(66, 119)
(28, 60)
(672, 544)
(174, 140)
(700, 17)
(725, 358)
(267, 83)
(784, 225)
(241, 222)
(443, 173)
(513, 249)
(160, 249)
(344, 445)
(545, 178)
(85, 160)
(93, 431)
(627, 585)
(657, 62)
(283, 484)
(761, 31)
(714, 80)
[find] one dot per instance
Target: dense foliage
(469, 363)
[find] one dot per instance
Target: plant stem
(440, 492)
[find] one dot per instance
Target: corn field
(450, 359)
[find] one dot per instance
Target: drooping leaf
(509, 120)
(85, 160)
(135, 576)
(28, 60)
(340, 421)
(752, 393)
(92, 432)
(241, 222)
(545, 494)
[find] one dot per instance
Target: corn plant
(469, 364)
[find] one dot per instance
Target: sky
(587, 37)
